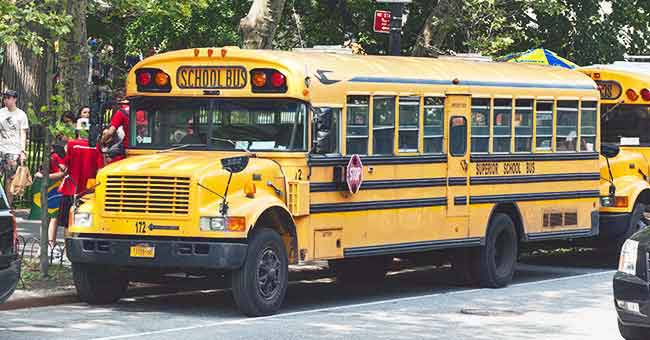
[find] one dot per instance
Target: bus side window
(325, 130)
(588, 126)
(383, 125)
(523, 125)
(458, 136)
(357, 125)
(544, 126)
(502, 125)
(409, 124)
(566, 128)
(434, 113)
(481, 125)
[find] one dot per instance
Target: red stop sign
(354, 174)
(382, 22)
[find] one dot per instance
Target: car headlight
(628, 259)
(82, 219)
(212, 224)
(606, 201)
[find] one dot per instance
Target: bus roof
(329, 72)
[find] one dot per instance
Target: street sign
(382, 22)
(354, 174)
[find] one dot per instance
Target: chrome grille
(147, 194)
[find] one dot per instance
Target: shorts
(64, 211)
(8, 165)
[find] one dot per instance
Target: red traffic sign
(354, 174)
(382, 22)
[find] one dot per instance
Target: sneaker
(57, 255)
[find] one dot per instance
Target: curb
(40, 301)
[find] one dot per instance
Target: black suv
(632, 287)
(9, 262)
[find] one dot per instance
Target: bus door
(457, 113)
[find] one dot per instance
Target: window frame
(418, 125)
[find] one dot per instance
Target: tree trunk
(27, 73)
(258, 27)
(73, 57)
(439, 23)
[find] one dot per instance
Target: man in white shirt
(13, 138)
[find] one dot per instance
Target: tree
(73, 57)
(440, 21)
(259, 26)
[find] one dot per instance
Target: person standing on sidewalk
(13, 138)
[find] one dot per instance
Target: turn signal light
(250, 189)
(236, 224)
(631, 95)
(645, 94)
(161, 79)
(620, 202)
(259, 79)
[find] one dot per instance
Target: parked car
(9, 262)
(632, 287)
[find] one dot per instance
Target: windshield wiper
(231, 142)
(178, 147)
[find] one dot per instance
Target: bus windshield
(626, 124)
(256, 125)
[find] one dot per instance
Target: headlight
(628, 259)
(82, 219)
(212, 224)
(606, 201)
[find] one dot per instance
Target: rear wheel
(98, 285)
(498, 257)
(633, 333)
(362, 270)
(260, 285)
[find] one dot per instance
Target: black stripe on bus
(376, 160)
(410, 247)
(569, 156)
(543, 196)
(591, 176)
(460, 200)
(377, 205)
(457, 181)
(568, 234)
(382, 184)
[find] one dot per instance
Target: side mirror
(234, 164)
(323, 121)
(609, 150)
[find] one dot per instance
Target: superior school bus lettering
(506, 168)
(211, 77)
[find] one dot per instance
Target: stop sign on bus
(382, 22)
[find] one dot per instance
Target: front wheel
(98, 285)
(633, 333)
(260, 285)
(498, 257)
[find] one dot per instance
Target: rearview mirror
(609, 150)
(234, 164)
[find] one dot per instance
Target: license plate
(143, 251)
(211, 77)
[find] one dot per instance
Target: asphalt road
(566, 297)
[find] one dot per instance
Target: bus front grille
(148, 195)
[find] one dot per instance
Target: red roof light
(144, 78)
(278, 79)
(645, 94)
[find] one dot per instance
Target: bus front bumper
(613, 225)
(167, 254)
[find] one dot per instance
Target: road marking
(335, 308)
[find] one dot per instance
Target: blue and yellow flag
(53, 198)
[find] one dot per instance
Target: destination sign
(609, 89)
(211, 77)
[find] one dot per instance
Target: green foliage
(32, 23)
(49, 116)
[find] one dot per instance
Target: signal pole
(396, 10)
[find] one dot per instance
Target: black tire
(363, 270)
(99, 285)
(498, 257)
(255, 294)
(633, 333)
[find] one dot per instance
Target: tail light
(266, 80)
(631, 95)
(152, 80)
(645, 94)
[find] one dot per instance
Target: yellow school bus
(244, 162)
(625, 121)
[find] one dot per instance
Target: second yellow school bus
(247, 161)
